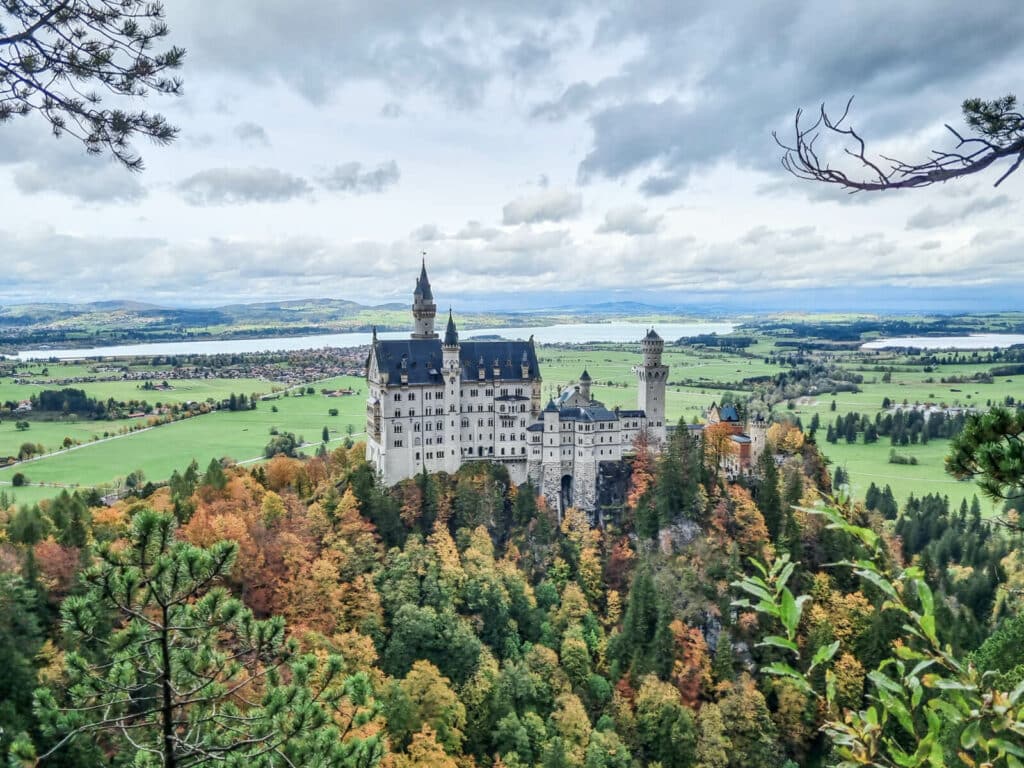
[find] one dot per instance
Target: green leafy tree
(165, 665)
(58, 59)
(920, 695)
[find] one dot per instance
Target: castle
(435, 404)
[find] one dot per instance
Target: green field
(240, 435)
(51, 434)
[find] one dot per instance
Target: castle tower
(585, 385)
(651, 379)
(452, 375)
(423, 308)
(551, 453)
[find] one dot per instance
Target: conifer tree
(185, 675)
(768, 499)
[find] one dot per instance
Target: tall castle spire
(423, 308)
(451, 335)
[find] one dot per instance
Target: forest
(299, 613)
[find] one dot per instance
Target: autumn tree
(59, 59)
(185, 674)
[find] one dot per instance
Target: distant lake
(580, 333)
(974, 341)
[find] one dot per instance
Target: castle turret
(652, 377)
(452, 377)
(423, 308)
(585, 385)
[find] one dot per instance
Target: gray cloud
(238, 186)
(350, 177)
(427, 233)
(547, 205)
(105, 183)
(475, 231)
(251, 132)
(931, 217)
(684, 103)
(42, 164)
(444, 48)
(630, 220)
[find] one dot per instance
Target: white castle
(435, 404)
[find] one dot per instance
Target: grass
(240, 435)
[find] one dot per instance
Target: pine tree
(214, 476)
(325, 436)
(186, 675)
(768, 499)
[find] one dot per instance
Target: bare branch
(1001, 137)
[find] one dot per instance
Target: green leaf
(825, 653)
(789, 612)
(784, 670)
(879, 581)
(780, 642)
(970, 735)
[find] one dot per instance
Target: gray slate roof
(421, 358)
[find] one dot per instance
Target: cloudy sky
(540, 151)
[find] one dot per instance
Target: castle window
(502, 451)
(398, 396)
(428, 426)
(412, 411)
(417, 455)
(440, 425)
(398, 428)
(398, 412)
(465, 422)
(504, 391)
(398, 443)
(490, 422)
(523, 451)
(489, 393)
(473, 392)
(412, 395)
(416, 427)
(519, 390)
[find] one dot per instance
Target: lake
(974, 341)
(580, 333)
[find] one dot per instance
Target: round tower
(423, 308)
(585, 385)
(652, 346)
(652, 377)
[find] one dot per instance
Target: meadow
(239, 435)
